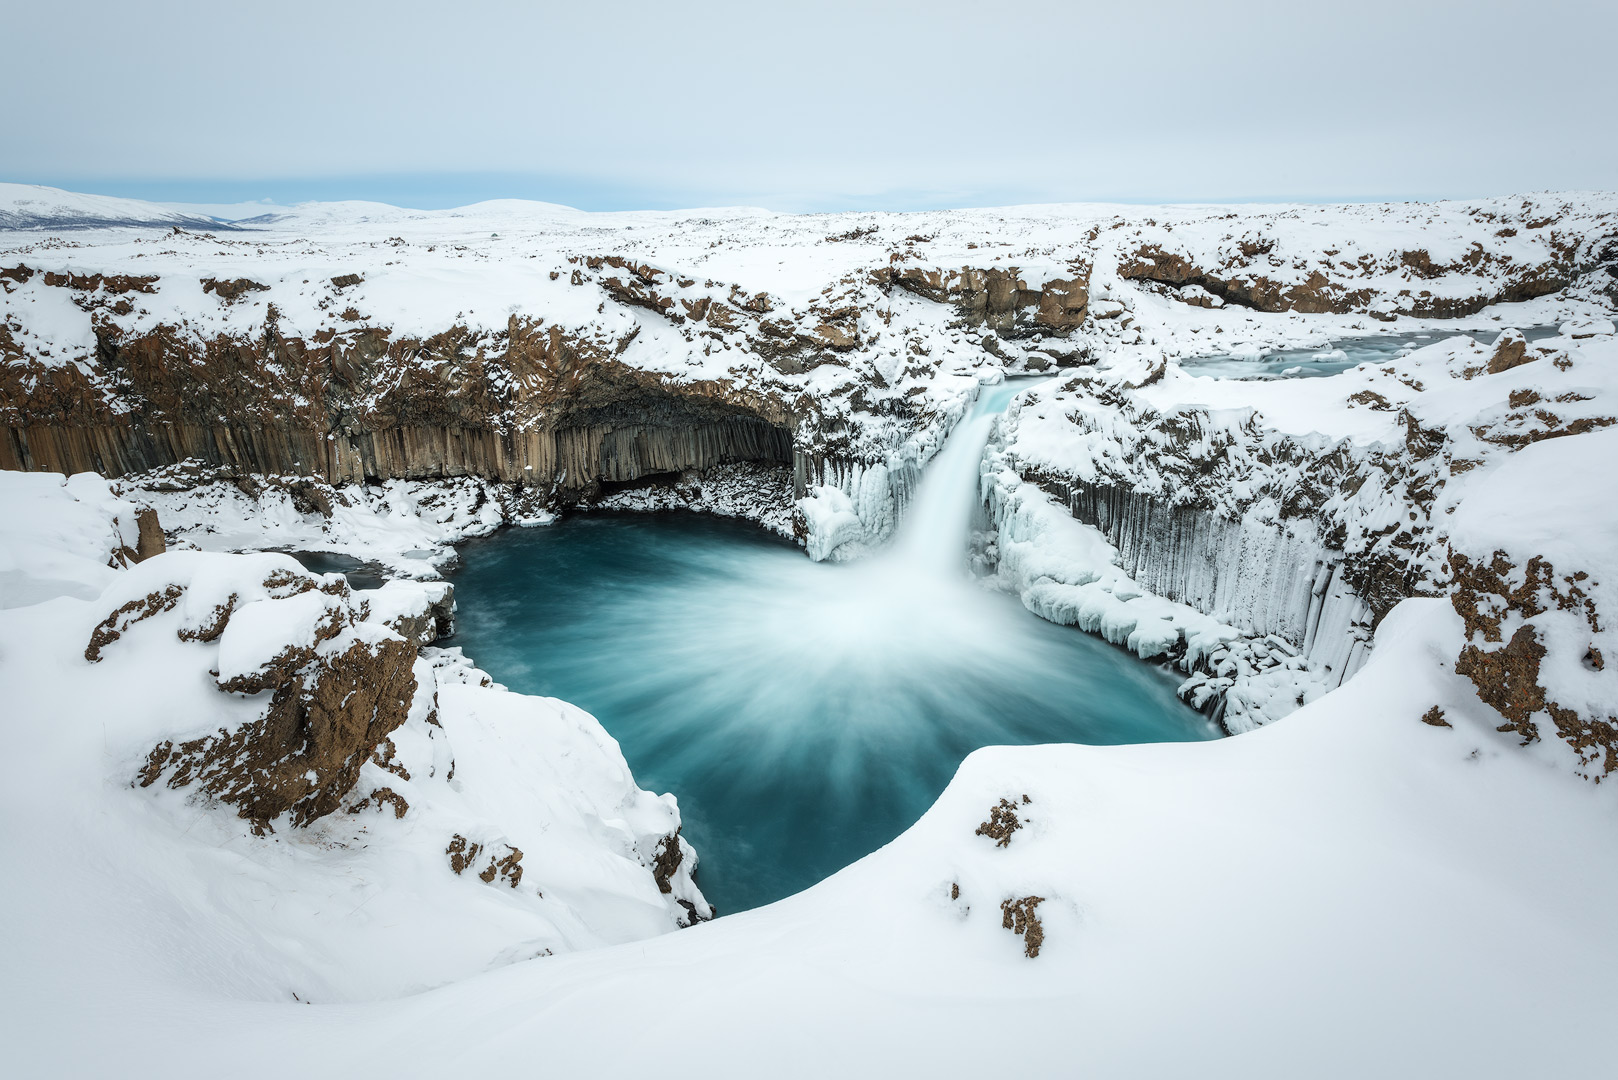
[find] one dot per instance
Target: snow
(360, 906)
(32, 206)
(1512, 508)
(57, 536)
(1350, 869)
(406, 526)
(1343, 890)
(831, 520)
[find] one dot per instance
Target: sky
(808, 106)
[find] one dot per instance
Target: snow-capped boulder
(1532, 552)
(328, 685)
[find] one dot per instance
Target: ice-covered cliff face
(1300, 512)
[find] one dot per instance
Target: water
(1339, 355)
(360, 574)
(804, 713)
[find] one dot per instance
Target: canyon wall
(823, 360)
(549, 410)
(1262, 578)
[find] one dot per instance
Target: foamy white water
(804, 713)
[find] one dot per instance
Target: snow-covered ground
(1349, 892)
(1388, 881)
(363, 902)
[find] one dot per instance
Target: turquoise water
(1340, 355)
(804, 714)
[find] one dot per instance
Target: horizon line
(409, 193)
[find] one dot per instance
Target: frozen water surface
(1338, 355)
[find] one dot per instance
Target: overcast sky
(805, 106)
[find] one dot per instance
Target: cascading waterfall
(932, 537)
(933, 534)
(803, 713)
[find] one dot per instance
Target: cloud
(811, 106)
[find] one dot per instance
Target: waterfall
(931, 540)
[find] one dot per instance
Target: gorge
(881, 583)
(804, 713)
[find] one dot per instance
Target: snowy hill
(32, 207)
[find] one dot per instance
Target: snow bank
(484, 828)
(60, 536)
(1392, 878)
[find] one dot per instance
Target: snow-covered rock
(295, 795)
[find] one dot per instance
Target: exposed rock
(231, 291)
(422, 612)
(1019, 916)
(1003, 821)
(667, 861)
(1494, 594)
(1510, 350)
(332, 694)
(128, 614)
(303, 756)
(507, 868)
(570, 417)
(1197, 296)
(383, 796)
(151, 540)
(835, 337)
(1248, 274)
(1001, 299)
(464, 854)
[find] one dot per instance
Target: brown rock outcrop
(151, 540)
(1489, 594)
(1021, 918)
(1245, 276)
(1001, 300)
(329, 705)
(531, 405)
(1510, 350)
(464, 854)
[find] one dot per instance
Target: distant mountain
(32, 206)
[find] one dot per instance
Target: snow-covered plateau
(258, 823)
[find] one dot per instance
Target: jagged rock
(151, 540)
(572, 417)
(419, 611)
(1494, 594)
(1248, 274)
(1003, 821)
(1002, 299)
(333, 685)
(1019, 916)
(230, 291)
(666, 861)
(1510, 350)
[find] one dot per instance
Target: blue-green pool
(804, 714)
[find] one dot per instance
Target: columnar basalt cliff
(363, 405)
(1302, 513)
